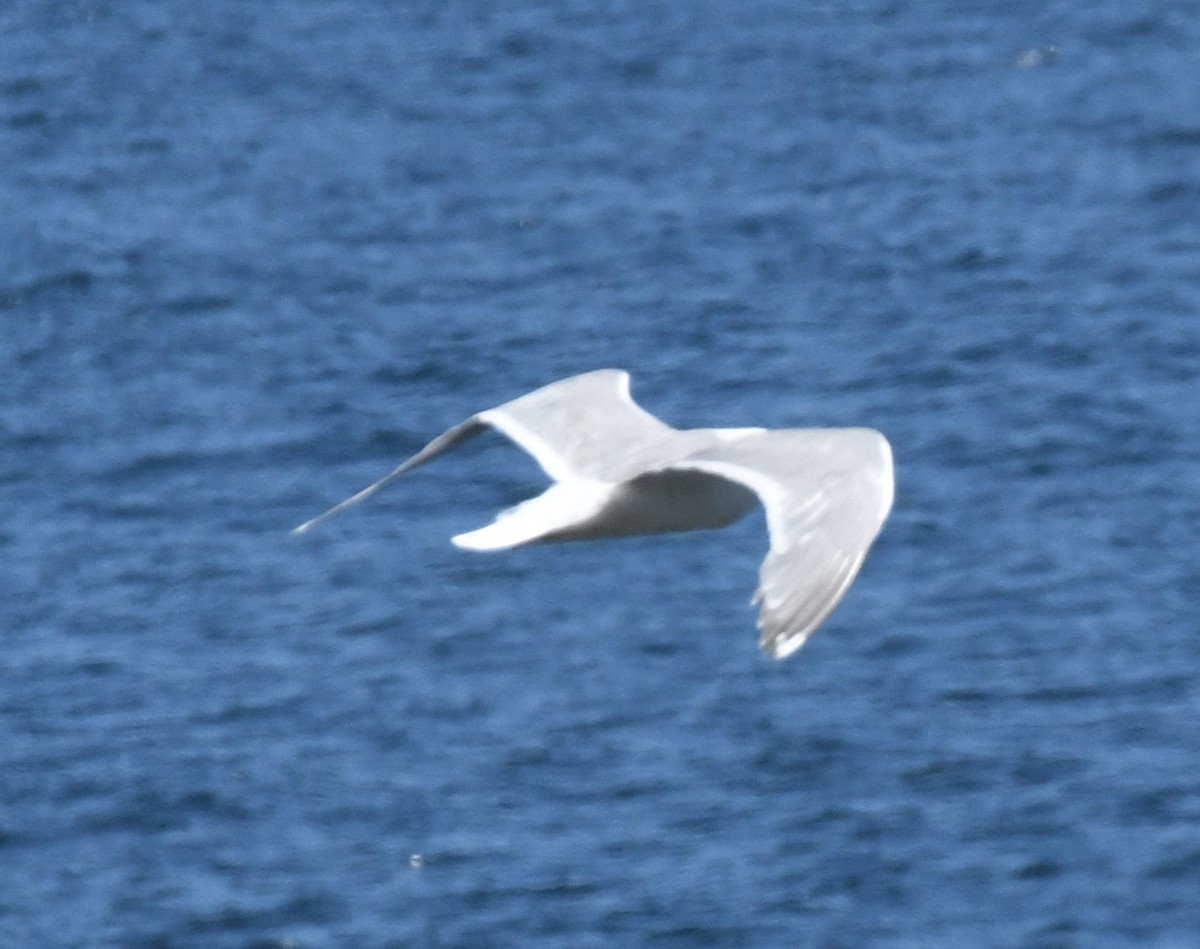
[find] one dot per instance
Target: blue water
(254, 254)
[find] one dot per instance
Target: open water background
(253, 254)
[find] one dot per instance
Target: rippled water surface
(254, 254)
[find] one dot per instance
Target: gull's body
(618, 471)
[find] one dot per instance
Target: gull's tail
(559, 510)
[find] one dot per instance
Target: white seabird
(618, 471)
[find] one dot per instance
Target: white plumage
(618, 471)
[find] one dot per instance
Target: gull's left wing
(586, 426)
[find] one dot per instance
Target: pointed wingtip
(779, 649)
(779, 643)
(314, 521)
(443, 442)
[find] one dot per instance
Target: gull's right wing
(826, 493)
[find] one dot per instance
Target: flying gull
(618, 471)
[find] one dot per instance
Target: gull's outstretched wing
(443, 443)
(827, 493)
(586, 426)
